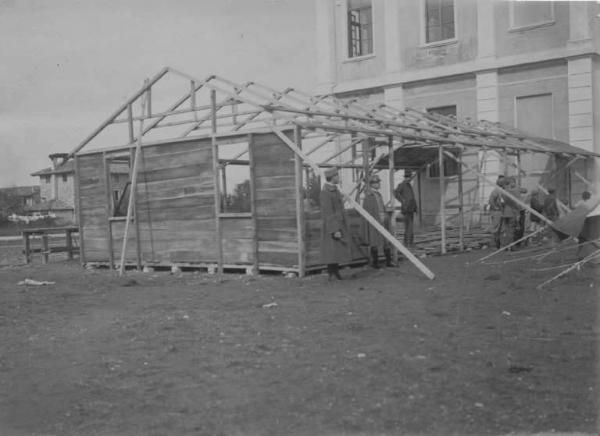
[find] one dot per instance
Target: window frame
(454, 164)
(512, 27)
(347, 34)
(446, 41)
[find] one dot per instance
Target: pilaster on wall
(486, 35)
(392, 36)
(394, 96)
(325, 50)
(486, 83)
(581, 103)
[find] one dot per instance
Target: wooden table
(46, 249)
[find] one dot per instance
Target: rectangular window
(439, 20)
(46, 179)
(234, 178)
(451, 167)
(360, 28)
(534, 115)
(64, 177)
(119, 183)
(525, 14)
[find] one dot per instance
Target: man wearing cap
(373, 203)
(334, 230)
(405, 195)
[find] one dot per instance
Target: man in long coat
(373, 203)
(335, 237)
(405, 195)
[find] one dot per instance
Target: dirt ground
(477, 351)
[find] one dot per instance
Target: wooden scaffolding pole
(215, 153)
(461, 207)
(392, 204)
(300, 224)
(442, 197)
(366, 215)
(132, 188)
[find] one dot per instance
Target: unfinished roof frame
(233, 110)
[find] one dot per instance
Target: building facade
(530, 65)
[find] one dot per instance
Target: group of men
(508, 216)
(335, 235)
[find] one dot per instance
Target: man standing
(405, 195)
(496, 203)
(373, 203)
(334, 229)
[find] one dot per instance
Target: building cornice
(472, 67)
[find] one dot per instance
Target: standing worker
(496, 203)
(373, 204)
(334, 230)
(405, 195)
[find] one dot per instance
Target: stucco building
(529, 65)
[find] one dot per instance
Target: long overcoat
(373, 203)
(333, 219)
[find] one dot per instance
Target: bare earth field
(477, 351)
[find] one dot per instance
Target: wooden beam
(109, 210)
(300, 218)
(461, 208)
(78, 210)
(392, 203)
(442, 197)
(252, 166)
(366, 215)
(118, 112)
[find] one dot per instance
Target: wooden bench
(46, 249)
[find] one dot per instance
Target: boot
(333, 272)
(375, 258)
(388, 257)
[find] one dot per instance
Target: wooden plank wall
(175, 203)
(93, 211)
(275, 201)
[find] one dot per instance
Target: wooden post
(27, 247)
(461, 208)
(132, 190)
(519, 168)
(253, 203)
(78, 212)
(300, 221)
(193, 99)
(45, 248)
(110, 210)
(215, 153)
(130, 122)
(366, 215)
(420, 195)
(442, 197)
(69, 244)
(148, 100)
(392, 204)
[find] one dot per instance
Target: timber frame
(320, 131)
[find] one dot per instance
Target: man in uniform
(334, 228)
(373, 204)
(405, 195)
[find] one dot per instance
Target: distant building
(21, 198)
(57, 187)
(529, 65)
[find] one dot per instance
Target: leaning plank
(359, 209)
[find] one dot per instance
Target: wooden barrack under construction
(228, 174)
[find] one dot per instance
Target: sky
(66, 65)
